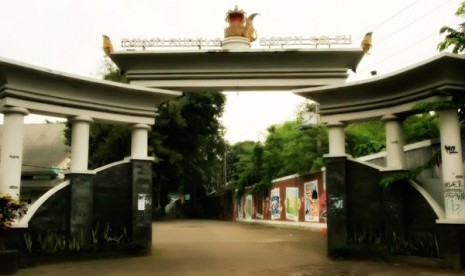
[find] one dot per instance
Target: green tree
(245, 162)
(365, 138)
(454, 37)
(291, 149)
(421, 127)
(189, 145)
(288, 149)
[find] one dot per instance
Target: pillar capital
(140, 126)
(336, 124)
(14, 109)
(391, 117)
(84, 119)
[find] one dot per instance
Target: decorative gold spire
(366, 42)
(236, 27)
(107, 46)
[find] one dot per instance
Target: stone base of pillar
(81, 202)
(142, 204)
(451, 241)
(337, 204)
(236, 43)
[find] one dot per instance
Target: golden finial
(107, 46)
(236, 19)
(249, 31)
(366, 42)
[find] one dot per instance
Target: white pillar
(394, 142)
(452, 170)
(80, 144)
(337, 139)
(139, 141)
(12, 150)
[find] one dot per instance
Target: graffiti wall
(298, 198)
(292, 203)
(312, 203)
(275, 204)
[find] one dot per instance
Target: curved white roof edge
(49, 92)
(72, 76)
(380, 77)
(439, 78)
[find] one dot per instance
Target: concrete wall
(98, 210)
(53, 215)
(362, 213)
(112, 203)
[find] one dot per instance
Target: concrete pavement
(203, 247)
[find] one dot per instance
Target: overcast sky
(66, 35)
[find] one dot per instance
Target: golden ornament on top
(239, 25)
(107, 46)
(366, 43)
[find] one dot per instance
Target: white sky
(65, 35)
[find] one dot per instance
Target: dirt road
(196, 247)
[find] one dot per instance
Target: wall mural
(292, 203)
(275, 208)
(311, 197)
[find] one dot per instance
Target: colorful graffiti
(275, 208)
(292, 203)
(311, 197)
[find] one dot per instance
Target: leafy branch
(410, 174)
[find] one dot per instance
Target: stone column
(80, 144)
(139, 141)
(81, 179)
(336, 190)
(452, 166)
(141, 188)
(141, 227)
(337, 139)
(394, 142)
(12, 150)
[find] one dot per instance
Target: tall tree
(189, 145)
(454, 37)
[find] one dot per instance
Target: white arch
(434, 205)
(24, 222)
